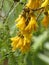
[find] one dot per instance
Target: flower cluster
(26, 23)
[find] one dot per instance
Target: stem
(6, 55)
(11, 11)
(37, 9)
(39, 15)
(2, 5)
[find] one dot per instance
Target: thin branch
(1, 8)
(11, 11)
(8, 13)
(39, 15)
(6, 55)
(37, 9)
(2, 5)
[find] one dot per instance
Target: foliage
(39, 49)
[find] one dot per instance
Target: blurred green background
(39, 52)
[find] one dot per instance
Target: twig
(2, 5)
(8, 13)
(6, 55)
(1, 9)
(11, 11)
(39, 15)
(37, 9)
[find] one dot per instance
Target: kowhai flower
(20, 43)
(45, 3)
(32, 25)
(21, 23)
(45, 21)
(14, 43)
(17, 42)
(31, 4)
(26, 23)
(26, 45)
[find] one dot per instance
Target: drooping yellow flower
(32, 25)
(25, 48)
(15, 38)
(27, 36)
(26, 41)
(45, 3)
(17, 43)
(21, 23)
(33, 4)
(45, 21)
(19, 18)
(38, 3)
(14, 43)
(48, 12)
(20, 43)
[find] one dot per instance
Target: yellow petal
(32, 25)
(45, 21)
(25, 48)
(21, 23)
(18, 18)
(20, 43)
(15, 38)
(31, 4)
(45, 3)
(48, 12)
(26, 41)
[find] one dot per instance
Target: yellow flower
(28, 36)
(14, 43)
(18, 18)
(21, 23)
(32, 25)
(25, 48)
(17, 43)
(20, 43)
(26, 41)
(48, 12)
(38, 3)
(45, 3)
(45, 21)
(15, 38)
(26, 45)
(31, 4)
